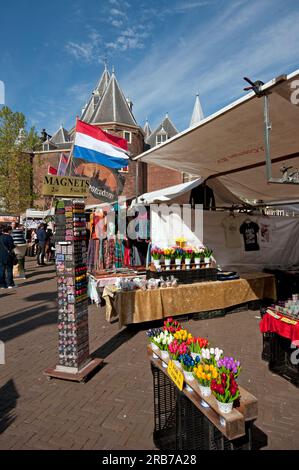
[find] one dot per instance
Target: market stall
(138, 306)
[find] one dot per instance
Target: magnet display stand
(74, 363)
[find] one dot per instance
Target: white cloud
(130, 38)
(113, 2)
(116, 23)
(187, 6)
(86, 51)
(116, 12)
(213, 60)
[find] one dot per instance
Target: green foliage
(16, 147)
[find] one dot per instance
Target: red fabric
(274, 325)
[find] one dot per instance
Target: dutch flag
(97, 146)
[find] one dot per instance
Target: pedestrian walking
(6, 259)
(18, 236)
(41, 244)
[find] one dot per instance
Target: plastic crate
(164, 410)
(280, 359)
(185, 276)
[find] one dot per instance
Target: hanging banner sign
(65, 186)
(105, 184)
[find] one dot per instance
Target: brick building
(108, 108)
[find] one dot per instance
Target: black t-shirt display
(249, 230)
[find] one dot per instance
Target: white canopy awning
(167, 194)
(229, 145)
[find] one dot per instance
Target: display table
(280, 340)
(99, 281)
(183, 423)
(140, 306)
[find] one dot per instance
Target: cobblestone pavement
(114, 409)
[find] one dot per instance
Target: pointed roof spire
(61, 136)
(166, 127)
(97, 94)
(147, 129)
(113, 107)
(197, 114)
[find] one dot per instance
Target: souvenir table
(99, 280)
(139, 306)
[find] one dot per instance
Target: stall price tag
(270, 312)
(288, 320)
(176, 375)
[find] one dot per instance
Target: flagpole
(69, 165)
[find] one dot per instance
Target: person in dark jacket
(41, 244)
(6, 259)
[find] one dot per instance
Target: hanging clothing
(249, 230)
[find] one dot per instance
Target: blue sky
(164, 52)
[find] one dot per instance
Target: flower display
(162, 340)
(207, 252)
(156, 253)
(188, 253)
(211, 355)
(229, 365)
(187, 362)
(205, 373)
(171, 325)
(225, 388)
(182, 335)
(168, 253)
(199, 251)
(177, 349)
(196, 344)
(178, 252)
(153, 332)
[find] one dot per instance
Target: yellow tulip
(209, 377)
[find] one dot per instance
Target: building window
(128, 136)
(160, 138)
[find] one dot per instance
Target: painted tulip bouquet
(229, 365)
(196, 344)
(163, 340)
(177, 349)
(171, 325)
(182, 335)
(205, 373)
(198, 252)
(188, 253)
(168, 253)
(211, 355)
(225, 388)
(152, 333)
(187, 362)
(207, 252)
(179, 252)
(156, 252)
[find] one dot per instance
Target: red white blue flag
(97, 146)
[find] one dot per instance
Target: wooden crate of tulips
(187, 264)
(209, 378)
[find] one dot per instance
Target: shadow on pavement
(8, 401)
(115, 342)
(35, 281)
(22, 321)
